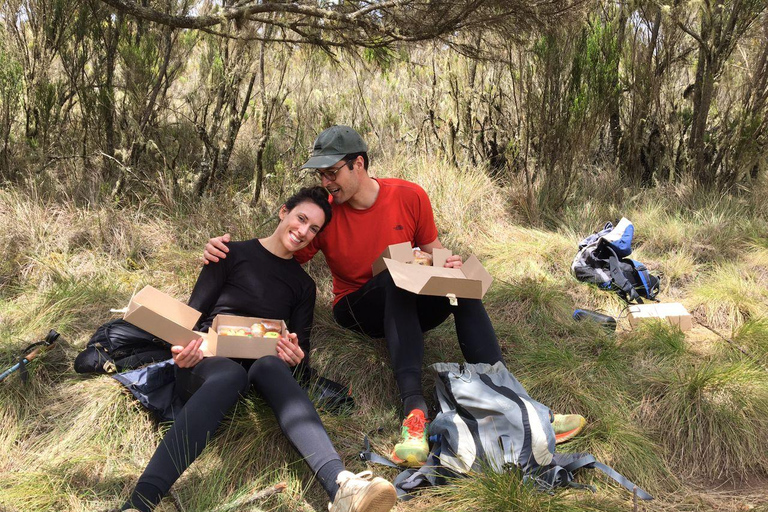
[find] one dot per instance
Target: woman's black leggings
(381, 309)
(211, 388)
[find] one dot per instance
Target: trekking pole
(32, 352)
(634, 499)
(736, 346)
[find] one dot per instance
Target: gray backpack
(487, 422)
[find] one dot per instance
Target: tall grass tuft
(615, 437)
(81, 441)
(658, 340)
(712, 418)
(541, 304)
(752, 336)
(513, 252)
(508, 492)
(728, 296)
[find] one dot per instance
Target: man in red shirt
(370, 214)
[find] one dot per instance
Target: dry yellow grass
(73, 443)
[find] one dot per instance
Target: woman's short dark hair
(317, 195)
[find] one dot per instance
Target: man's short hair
(353, 156)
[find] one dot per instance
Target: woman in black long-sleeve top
(258, 278)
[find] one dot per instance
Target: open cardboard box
(172, 321)
(162, 315)
(471, 281)
(246, 347)
(673, 312)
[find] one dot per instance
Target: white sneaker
(363, 492)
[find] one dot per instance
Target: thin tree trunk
(702, 100)
(258, 177)
(468, 108)
(614, 116)
(235, 122)
(107, 103)
(161, 77)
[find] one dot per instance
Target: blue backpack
(602, 260)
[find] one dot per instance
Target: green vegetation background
(125, 145)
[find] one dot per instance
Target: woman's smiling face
(299, 226)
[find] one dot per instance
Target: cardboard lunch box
(471, 281)
(673, 312)
(172, 321)
(245, 347)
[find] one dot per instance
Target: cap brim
(322, 161)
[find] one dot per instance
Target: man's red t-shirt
(355, 238)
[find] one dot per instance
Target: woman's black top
(251, 281)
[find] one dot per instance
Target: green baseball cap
(332, 145)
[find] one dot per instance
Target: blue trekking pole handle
(12, 369)
(38, 349)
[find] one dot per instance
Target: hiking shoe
(413, 448)
(567, 425)
(363, 492)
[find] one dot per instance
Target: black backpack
(118, 346)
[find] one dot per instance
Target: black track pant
(380, 308)
(211, 388)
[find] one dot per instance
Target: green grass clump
(508, 492)
(752, 337)
(71, 306)
(679, 268)
(553, 376)
(513, 252)
(712, 228)
(657, 340)
(565, 364)
(538, 303)
(729, 295)
(77, 446)
(566, 379)
(589, 216)
(113, 427)
(34, 490)
(712, 417)
(615, 437)
(659, 230)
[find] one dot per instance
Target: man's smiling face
(346, 180)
